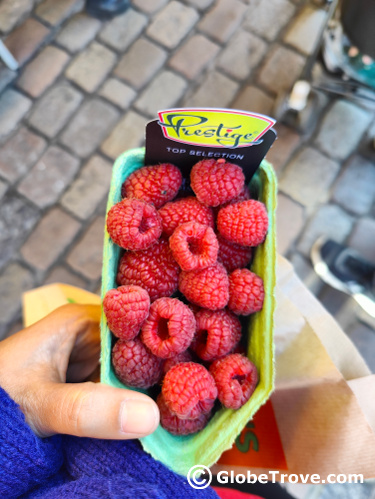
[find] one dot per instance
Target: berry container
(180, 453)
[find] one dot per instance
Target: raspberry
(169, 328)
(232, 255)
(236, 378)
(154, 269)
(155, 184)
(194, 246)
(177, 359)
(135, 365)
(126, 308)
(176, 425)
(134, 224)
(185, 210)
(218, 332)
(189, 390)
(246, 292)
(208, 288)
(243, 223)
(216, 182)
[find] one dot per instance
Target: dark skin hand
(44, 369)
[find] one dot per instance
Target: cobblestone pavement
(85, 90)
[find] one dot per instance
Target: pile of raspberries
(196, 249)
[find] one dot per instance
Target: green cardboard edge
(205, 447)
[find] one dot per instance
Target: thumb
(98, 411)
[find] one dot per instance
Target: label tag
(187, 135)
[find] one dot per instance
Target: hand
(42, 369)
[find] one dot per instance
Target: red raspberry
(155, 184)
(194, 246)
(176, 425)
(154, 269)
(169, 328)
(246, 292)
(216, 182)
(189, 390)
(218, 332)
(126, 308)
(135, 365)
(244, 195)
(243, 223)
(177, 359)
(232, 255)
(236, 378)
(208, 288)
(185, 210)
(134, 224)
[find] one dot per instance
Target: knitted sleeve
(26, 461)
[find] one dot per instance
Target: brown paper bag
(321, 417)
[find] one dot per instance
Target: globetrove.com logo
(214, 127)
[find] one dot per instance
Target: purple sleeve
(26, 461)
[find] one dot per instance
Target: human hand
(43, 368)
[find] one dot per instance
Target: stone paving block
(42, 71)
(363, 337)
(286, 143)
(216, 90)
(172, 24)
(355, 187)
(14, 281)
(49, 239)
(290, 220)
(25, 40)
(6, 77)
(242, 54)
(308, 177)
(194, 56)
(53, 111)
(140, 63)
(86, 256)
(223, 19)
(255, 100)
(266, 19)
(304, 31)
(281, 69)
(149, 6)
(12, 12)
(200, 4)
(123, 30)
(3, 189)
(163, 92)
(89, 127)
(19, 153)
(79, 32)
(362, 238)
(56, 12)
(331, 221)
(90, 68)
(13, 107)
(306, 273)
(61, 274)
(89, 188)
(17, 218)
(50, 176)
(118, 93)
(128, 133)
(342, 129)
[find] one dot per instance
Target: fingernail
(138, 416)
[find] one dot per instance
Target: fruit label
(188, 135)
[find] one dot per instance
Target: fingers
(97, 411)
